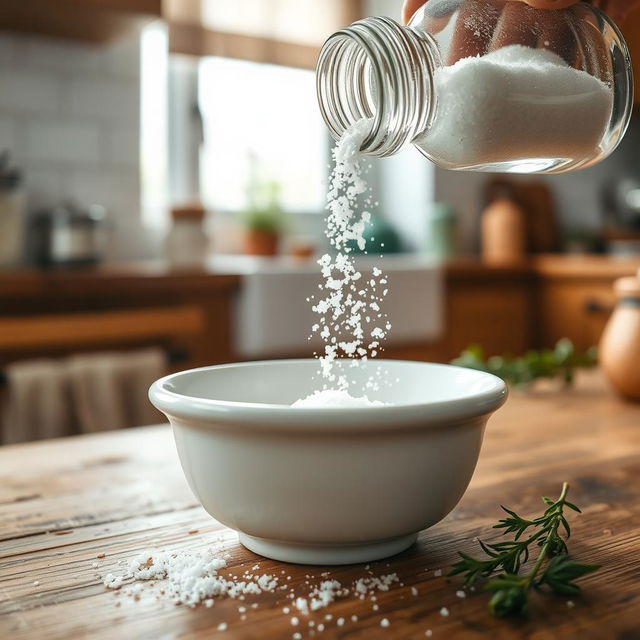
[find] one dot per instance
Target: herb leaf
(560, 362)
(553, 568)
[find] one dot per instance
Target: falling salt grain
(340, 622)
(294, 621)
(222, 626)
(461, 594)
(428, 633)
(444, 612)
(414, 591)
(437, 573)
(384, 622)
(571, 604)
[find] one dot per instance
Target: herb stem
(530, 577)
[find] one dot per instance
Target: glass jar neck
(381, 70)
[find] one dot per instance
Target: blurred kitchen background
(162, 188)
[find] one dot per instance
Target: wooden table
(65, 503)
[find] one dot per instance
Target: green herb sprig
(559, 362)
(552, 568)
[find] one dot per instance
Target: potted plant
(263, 219)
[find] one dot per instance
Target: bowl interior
(282, 382)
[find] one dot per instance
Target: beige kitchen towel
(109, 390)
(37, 402)
(81, 394)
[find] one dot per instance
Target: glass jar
(483, 85)
(187, 243)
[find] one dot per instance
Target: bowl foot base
(326, 554)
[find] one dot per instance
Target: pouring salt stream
(351, 319)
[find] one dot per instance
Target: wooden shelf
(98, 21)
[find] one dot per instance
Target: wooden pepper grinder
(503, 226)
(620, 344)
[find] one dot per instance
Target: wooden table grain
(66, 505)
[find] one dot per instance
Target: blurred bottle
(503, 230)
(441, 232)
(619, 350)
(12, 213)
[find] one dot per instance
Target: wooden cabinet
(508, 310)
(96, 21)
(574, 297)
(578, 310)
(55, 313)
(489, 306)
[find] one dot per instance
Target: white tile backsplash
(7, 47)
(122, 59)
(70, 115)
(63, 141)
(121, 145)
(29, 91)
(105, 99)
(118, 189)
(45, 184)
(8, 133)
(63, 56)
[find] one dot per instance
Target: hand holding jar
(483, 85)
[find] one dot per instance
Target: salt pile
(516, 102)
(335, 398)
(190, 577)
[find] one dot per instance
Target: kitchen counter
(133, 276)
(226, 271)
(546, 265)
(435, 312)
(68, 504)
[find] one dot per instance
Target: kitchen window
(264, 118)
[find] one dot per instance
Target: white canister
(187, 243)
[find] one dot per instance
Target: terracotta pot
(261, 243)
(620, 344)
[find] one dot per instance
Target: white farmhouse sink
(273, 317)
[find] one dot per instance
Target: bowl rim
(208, 412)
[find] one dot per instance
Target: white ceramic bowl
(328, 486)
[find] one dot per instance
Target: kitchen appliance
(68, 235)
(12, 213)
